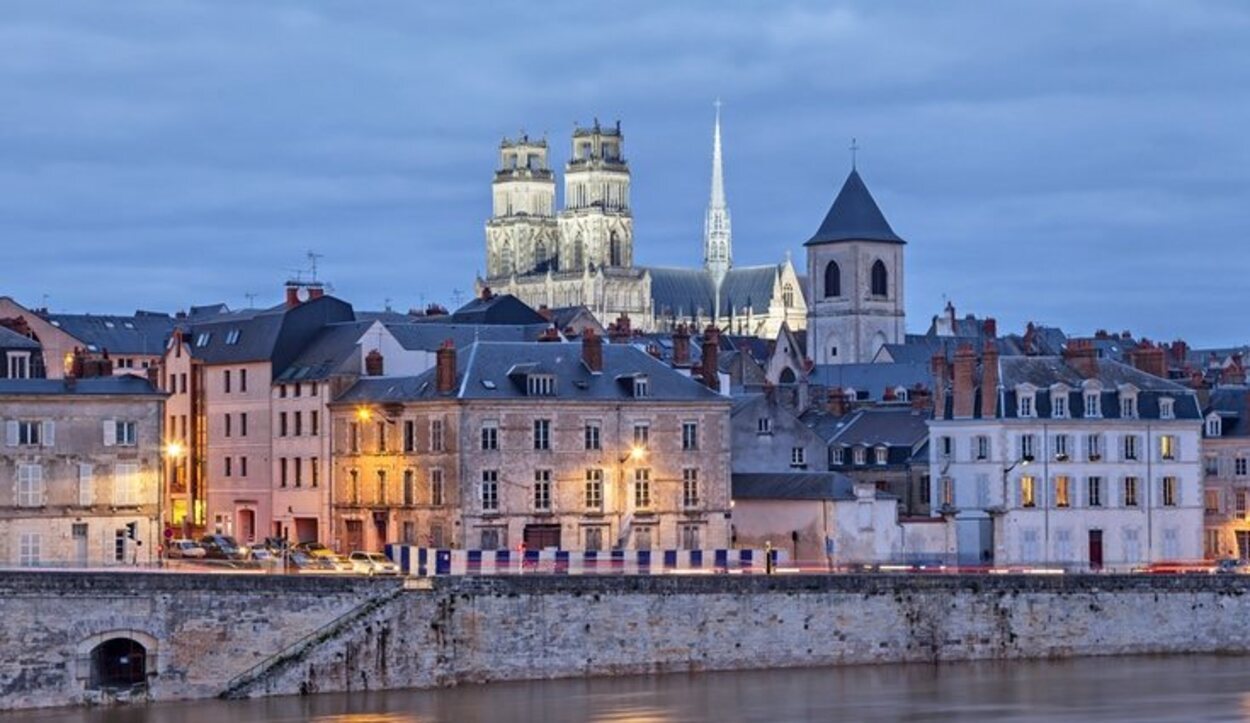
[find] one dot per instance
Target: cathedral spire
(717, 238)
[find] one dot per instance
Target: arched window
(880, 279)
(833, 280)
(579, 253)
(614, 250)
(787, 295)
(788, 376)
(540, 256)
(118, 663)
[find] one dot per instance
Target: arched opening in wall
(614, 250)
(880, 279)
(833, 280)
(788, 376)
(787, 295)
(118, 663)
(579, 253)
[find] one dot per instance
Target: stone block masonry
(212, 635)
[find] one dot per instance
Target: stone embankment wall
(222, 635)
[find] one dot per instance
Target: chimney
(619, 331)
(1030, 338)
(292, 295)
(711, 345)
(1149, 358)
(989, 381)
(550, 334)
(990, 328)
(373, 363)
(1081, 356)
(592, 351)
(940, 374)
(681, 346)
(487, 294)
(316, 291)
(546, 313)
(838, 403)
(964, 382)
(921, 399)
(445, 366)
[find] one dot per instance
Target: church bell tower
(596, 225)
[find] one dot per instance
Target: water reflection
(1194, 688)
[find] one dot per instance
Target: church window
(880, 278)
(614, 249)
(833, 280)
(787, 295)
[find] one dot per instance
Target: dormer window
(1025, 398)
(1167, 408)
(1215, 427)
(202, 339)
(838, 455)
(1059, 405)
(860, 455)
(232, 336)
(540, 385)
(642, 386)
(1128, 407)
(1093, 405)
(880, 455)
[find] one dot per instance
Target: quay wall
(224, 635)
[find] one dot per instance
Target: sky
(1079, 164)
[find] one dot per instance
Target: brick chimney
(316, 291)
(373, 363)
(592, 351)
(681, 346)
(711, 347)
(940, 375)
(445, 365)
(989, 380)
(989, 328)
(921, 399)
(964, 382)
(292, 295)
(838, 402)
(619, 331)
(487, 294)
(545, 312)
(1149, 358)
(1081, 355)
(549, 334)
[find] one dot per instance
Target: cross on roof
(854, 152)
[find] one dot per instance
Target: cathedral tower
(855, 287)
(717, 237)
(596, 225)
(521, 235)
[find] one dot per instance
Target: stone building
(884, 445)
(1069, 460)
(578, 446)
(1226, 472)
(584, 254)
(80, 471)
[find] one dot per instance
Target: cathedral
(583, 255)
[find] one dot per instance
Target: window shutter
(85, 493)
(10, 432)
(49, 433)
(110, 432)
(42, 491)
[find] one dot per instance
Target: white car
(373, 563)
(189, 549)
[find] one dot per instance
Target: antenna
(251, 300)
(456, 296)
(386, 304)
(312, 262)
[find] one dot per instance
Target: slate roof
(854, 216)
(795, 486)
(429, 336)
(898, 427)
(143, 333)
(277, 335)
(873, 378)
(10, 339)
(126, 384)
(1232, 404)
(327, 353)
(683, 293)
(490, 370)
(498, 309)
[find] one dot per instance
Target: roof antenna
(312, 262)
(251, 300)
(854, 152)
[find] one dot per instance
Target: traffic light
(132, 530)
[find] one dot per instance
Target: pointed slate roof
(854, 216)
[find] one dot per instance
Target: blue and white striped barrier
(431, 562)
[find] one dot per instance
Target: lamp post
(999, 512)
(637, 453)
(171, 454)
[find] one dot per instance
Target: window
(1093, 447)
(299, 424)
(242, 379)
(946, 447)
(1063, 491)
(1130, 447)
(491, 538)
(282, 391)
(119, 545)
(1027, 447)
(228, 466)
(1059, 405)
(860, 455)
(1167, 408)
(436, 435)
(837, 455)
(540, 385)
(382, 440)
(642, 488)
(1211, 502)
(232, 337)
(28, 549)
(490, 436)
(282, 472)
(86, 487)
(382, 487)
(642, 387)
(787, 295)
(225, 380)
(592, 436)
(1093, 404)
(1239, 466)
(299, 389)
(313, 427)
(948, 492)
(594, 489)
(297, 464)
(1028, 491)
(1025, 405)
(1214, 427)
(1167, 447)
(1061, 447)
(127, 433)
(25, 432)
(436, 486)
(1239, 502)
(19, 365)
(983, 447)
(1130, 491)
(126, 491)
(764, 425)
(1170, 492)
(642, 435)
(542, 434)
(243, 467)
(542, 490)
(689, 436)
(1128, 407)
(798, 457)
(353, 491)
(880, 279)
(689, 487)
(281, 424)
(833, 280)
(29, 485)
(410, 435)
(594, 539)
(228, 426)
(880, 455)
(1094, 491)
(1211, 465)
(490, 490)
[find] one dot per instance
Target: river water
(1179, 688)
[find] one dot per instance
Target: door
(379, 530)
(1243, 544)
(80, 543)
(1095, 549)
(355, 536)
(540, 537)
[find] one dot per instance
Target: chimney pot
(711, 367)
(592, 351)
(445, 367)
(292, 296)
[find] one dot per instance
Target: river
(1178, 688)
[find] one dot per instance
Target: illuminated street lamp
(172, 452)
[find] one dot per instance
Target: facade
(586, 446)
(1226, 473)
(1069, 460)
(81, 471)
(584, 254)
(885, 446)
(855, 280)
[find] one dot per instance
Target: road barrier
(431, 562)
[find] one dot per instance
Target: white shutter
(110, 432)
(10, 432)
(86, 494)
(48, 435)
(41, 492)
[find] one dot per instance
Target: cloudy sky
(1073, 163)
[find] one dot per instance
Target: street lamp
(172, 452)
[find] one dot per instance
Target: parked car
(301, 561)
(373, 563)
(183, 548)
(1231, 566)
(222, 547)
(320, 552)
(263, 556)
